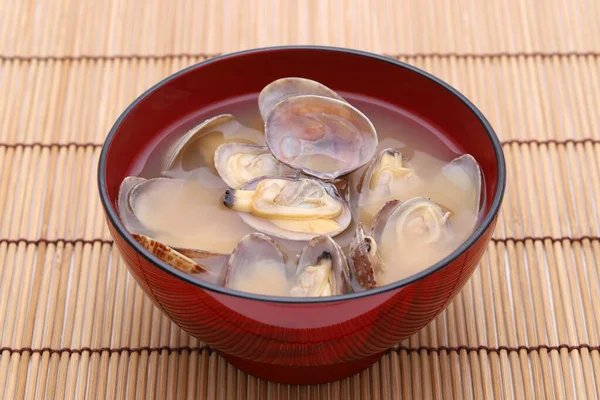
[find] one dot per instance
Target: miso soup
(307, 193)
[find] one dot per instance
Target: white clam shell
(464, 171)
(169, 255)
(321, 136)
(130, 189)
(255, 251)
(284, 88)
(225, 124)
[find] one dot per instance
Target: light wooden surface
(73, 323)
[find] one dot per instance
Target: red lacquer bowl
(310, 340)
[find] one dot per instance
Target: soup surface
(188, 208)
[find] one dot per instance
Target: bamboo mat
(74, 324)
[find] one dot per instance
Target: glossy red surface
(296, 341)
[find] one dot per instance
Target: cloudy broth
(193, 216)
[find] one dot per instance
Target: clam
(389, 176)
(418, 220)
(411, 236)
(257, 265)
(464, 172)
(173, 211)
(405, 238)
(363, 259)
(321, 136)
(284, 88)
(238, 163)
(322, 269)
(170, 256)
(197, 147)
(126, 214)
(291, 208)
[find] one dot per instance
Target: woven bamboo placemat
(73, 323)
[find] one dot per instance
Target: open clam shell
(464, 172)
(416, 220)
(257, 265)
(389, 176)
(363, 260)
(411, 235)
(239, 163)
(322, 269)
(131, 222)
(291, 208)
(197, 147)
(284, 88)
(170, 256)
(388, 166)
(172, 211)
(323, 137)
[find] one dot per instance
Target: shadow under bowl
(306, 340)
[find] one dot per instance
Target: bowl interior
(246, 73)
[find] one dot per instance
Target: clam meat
(290, 207)
(321, 136)
(238, 163)
(389, 176)
(322, 270)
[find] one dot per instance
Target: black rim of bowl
(483, 226)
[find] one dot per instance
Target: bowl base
(298, 375)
